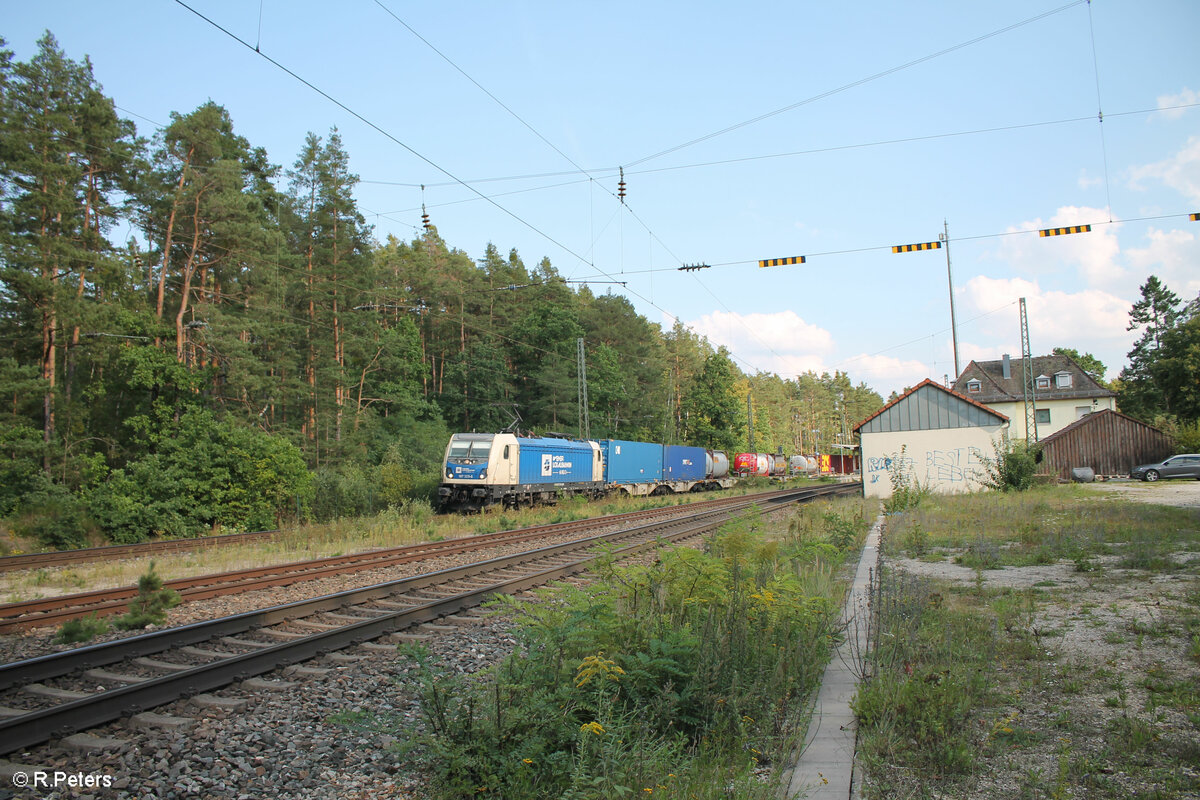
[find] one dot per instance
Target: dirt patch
(1114, 678)
(1181, 493)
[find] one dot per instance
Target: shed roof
(930, 406)
(1098, 418)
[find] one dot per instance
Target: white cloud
(885, 374)
(1180, 172)
(781, 342)
(1094, 255)
(1090, 319)
(1172, 256)
(1170, 101)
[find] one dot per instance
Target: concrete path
(825, 770)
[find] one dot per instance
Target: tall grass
(678, 678)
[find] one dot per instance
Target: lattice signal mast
(1028, 379)
(585, 423)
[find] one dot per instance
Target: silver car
(1184, 465)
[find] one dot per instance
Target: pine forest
(197, 339)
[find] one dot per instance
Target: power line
(854, 84)
(870, 248)
(422, 157)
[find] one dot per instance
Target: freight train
(486, 469)
(766, 465)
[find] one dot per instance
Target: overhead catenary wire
(652, 270)
(854, 84)
(1100, 112)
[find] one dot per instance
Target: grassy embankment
(411, 524)
(1049, 649)
(685, 678)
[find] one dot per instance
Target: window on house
(1043, 381)
(1041, 416)
(973, 386)
(1063, 380)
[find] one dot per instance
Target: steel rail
(103, 602)
(65, 718)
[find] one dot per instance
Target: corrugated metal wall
(929, 409)
(1108, 442)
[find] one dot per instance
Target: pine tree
(64, 152)
(1142, 392)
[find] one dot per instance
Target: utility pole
(585, 424)
(750, 417)
(945, 237)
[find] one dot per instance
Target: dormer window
(1043, 381)
(973, 386)
(1062, 380)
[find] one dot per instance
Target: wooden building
(1108, 441)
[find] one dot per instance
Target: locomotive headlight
(483, 473)
(449, 472)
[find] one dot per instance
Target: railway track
(42, 698)
(112, 552)
(53, 611)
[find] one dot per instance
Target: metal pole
(945, 237)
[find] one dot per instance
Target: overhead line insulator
(693, 267)
(621, 186)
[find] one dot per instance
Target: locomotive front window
(470, 452)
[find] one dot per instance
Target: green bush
(82, 629)
(1187, 438)
(347, 490)
(53, 516)
(1012, 468)
(203, 473)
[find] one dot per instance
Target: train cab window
(506, 452)
(470, 452)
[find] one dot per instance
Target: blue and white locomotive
(485, 469)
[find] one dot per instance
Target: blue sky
(776, 130)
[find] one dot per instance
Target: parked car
(1184, 465)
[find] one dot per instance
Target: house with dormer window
(1063, 392)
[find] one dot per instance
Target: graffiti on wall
(954, 465)
(877, 467)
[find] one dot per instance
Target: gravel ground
(282, 744)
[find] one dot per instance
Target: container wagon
(633, 468)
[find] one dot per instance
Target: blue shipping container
(684, 463)
(631, 462)
(545, 460)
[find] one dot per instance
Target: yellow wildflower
(597, 666)
(594, 727)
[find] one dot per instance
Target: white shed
(932, 434)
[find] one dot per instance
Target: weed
(82, 629)
(669, 677)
